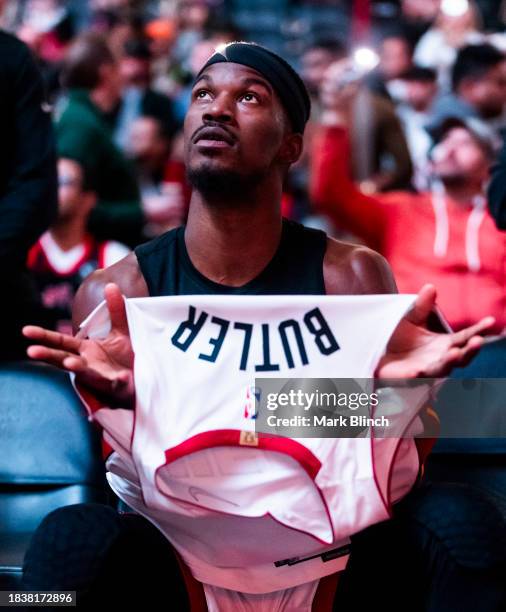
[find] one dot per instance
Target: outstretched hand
(103, 365)
(415, 351)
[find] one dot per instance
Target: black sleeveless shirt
(295, 269)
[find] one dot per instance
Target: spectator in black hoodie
(28, 186)
(497, 189)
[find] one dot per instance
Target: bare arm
(391, 140)
(125, 274)
(356, 270)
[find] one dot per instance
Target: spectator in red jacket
(445, 236)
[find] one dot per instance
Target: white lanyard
(442, 233)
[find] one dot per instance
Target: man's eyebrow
(254, 81)
(246, 81)
(202, 77)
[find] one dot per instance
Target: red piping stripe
(231, 437)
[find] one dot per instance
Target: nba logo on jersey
(252, 397)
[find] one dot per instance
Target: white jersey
(250, 513)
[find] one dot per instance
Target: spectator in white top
(457, 24)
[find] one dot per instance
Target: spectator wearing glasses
(67, 253)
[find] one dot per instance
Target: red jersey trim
(38, 251)
(232, 437)
(92, 404)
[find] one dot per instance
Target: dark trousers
(443, 551)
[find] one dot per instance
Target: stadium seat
(478, 459)
(50, 456)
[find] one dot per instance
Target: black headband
(283, 78)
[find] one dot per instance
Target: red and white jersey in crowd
(241, 508)
(58, 274)
(64, 263)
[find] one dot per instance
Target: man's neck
(422, 108)
(102, 100)
(463, 194)
(68, 233)
(231, 245)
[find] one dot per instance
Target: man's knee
(69, 545)
(460, 519)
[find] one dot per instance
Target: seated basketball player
(444, 547)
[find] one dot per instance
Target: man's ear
(104, 72)
(291, 149)
(466, 86)
(90, 199)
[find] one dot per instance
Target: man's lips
(214, 137)
(212, 144)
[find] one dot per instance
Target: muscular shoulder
(125, 273)
(350, 269)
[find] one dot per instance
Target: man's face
(110, 80)
(395, 57)
(193, 14)
(201, 52)
(134, 71)
(488, 93)
(420, 94)
(70, 188)
(235, 126)
(459, 158)
(416, 10)
(146, 143)
(314, 64)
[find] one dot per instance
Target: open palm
(104, 365)
(414, 351)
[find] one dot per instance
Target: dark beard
(223, 187)
(452, 180)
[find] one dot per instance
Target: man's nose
(220, 109)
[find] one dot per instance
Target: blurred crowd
(408, 118)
